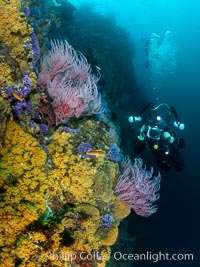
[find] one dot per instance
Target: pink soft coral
(137, 188)
(66, 77)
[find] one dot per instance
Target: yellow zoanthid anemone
(51, 202)
(22, 176)
(14, 35)
(4, 111)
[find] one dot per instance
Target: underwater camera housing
(153, 133)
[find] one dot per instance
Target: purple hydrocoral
(107, 221)
(70, 130)
(20, 106)
(114, 154)
(26, 11)
(26, 84)
(23, 91)
(35, 48)
(137, 187)
(66, 77)
(43, 129)
(84, 147)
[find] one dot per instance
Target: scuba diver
(161, 53)
(159, 135)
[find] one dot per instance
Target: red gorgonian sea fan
(67, 79)
(137, 187)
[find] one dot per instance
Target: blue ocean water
(175, 228)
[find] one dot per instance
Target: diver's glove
(168, 136)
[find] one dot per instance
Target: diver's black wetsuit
(166, 154)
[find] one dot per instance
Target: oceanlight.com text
(154, 257)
